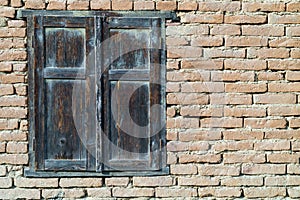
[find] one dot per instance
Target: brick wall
(233, 103)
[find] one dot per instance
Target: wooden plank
(65, 165)
(50, 21)
(134, 23)
(64, 73)
(133, 75)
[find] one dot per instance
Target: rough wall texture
(233, 103)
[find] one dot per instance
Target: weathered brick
(219, 192)
(13, 112)
(13, 147)
(80, 182)
(296, 145)
(284, 87)
(263, 169)
(2, 147)
(18, 193)
(36, 182)
(184, 52)
(245, 19)
(293, 7)
(5, 182)
(198, 181)
(13, 55)
(100, 5)
(16, 3)
(13, 101)
(99, 192)
(146, 5)
(203, 87)
(284, 110)
(295, 53)
(174, 64)
(122, 5)
(284, 42)
(186, 5)
(187, 98)
(272, 145)
(283, 158)
(274, 98)
(12, 136)
(21, 89)
(283, 19)
(283, 64)
(181, 169)
(5, 43)
(263, 30)
(4, 3)
(185, 146)
(207, 41)
(172, 87)
(269, 76)
(230, 146)
(7, 12)
(219, 170)
(35, 4)
(152, 181)
(57, 5)
(268, 53)
(293, 169)
(202, 64)
(224, 53)
(244, 112)
(233, 99)
(2, 170)
(292, 76)
(188, 75)
(63, 193)
(203, 158)
(294, 192)
(221, 122)
(177, 41)
(12, 78)
(175, 192)
(246, 87)
(293, 31)
(260, 123)
(166, 5)
(225, 29)
(6, 89)
(180, 122)
(171, 135)
(282, 180)
(282, 134)
(264, 7)
(171, 158)
(242, 135)
(77, 5)
(230, 76)
(201, 111)
(245, 64)
(14, 159)
(243, 181)
(199, 135)
(219, 6)
(132, 192)
(201, 29)
(202, 18)
(248, 41)
(260, 192)
(12, 32)
(16, 23)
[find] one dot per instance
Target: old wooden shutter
(64, 82)
(132, 98)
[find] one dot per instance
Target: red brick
(263, 30)
(184, 169)
(213, 41)
(198, 181)
(187, 146)
(13, 101)
(13, 147)
(283, 64)
(188, 75)
(171, 158)
(202, 64)
(282, 134)
(186, 5)
(296, 145)
(100, 5)
(242, 135)
(36, 182)
(225, 29)
(8, 124)
(260, 192)
(175, 192)
(16, 3)
(295, 53)
(13, 112)
(245, 64)
(248, 41)
(269, 76)
(293, 76)
(293, 7)
(274, 98)
(146, 5)
(132, 192)
(242, 181)
(202, 18)
(152, 181)
(57, 5)
(35, 4)
(174, 64)
(13, 55)
(224, 53)
(180, 122)
(246, 87)
(245, 19)
(177, 41)
(293, 31)
(282, 181)
(19, 67)
(221, 122)
(3, 2)
(294, 123)
(284, 87)
(230, 76)
(14, 159)
(201, 111)
(166, 5)
(268, 53)
(263, 169)
(219, 6)
(7, 12)
(219, 192)
(122, 5)
(203, 87)
(20, 89)
(198, 135)
(171, 112)
(5, 66)
(5, 43)
(244, 112)
(80, 182)
(77, 5)
(12, 136)
(203, 158)
(173, 87)
(99, 192)
(283, 19)
(201, 29)
(184, 52)
(187, 99)
(272, 145)
(260, 123)
(232, 99)
(63, 193)
(230, 158)
(293, 110)
(12, 78)
(2, 148)
(284, 42)
(256, 7)
(232, 146)
(219, 170)
(12, 32)
(18, 193)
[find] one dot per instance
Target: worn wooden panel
(129, 48)
(65, 47)
(64, 120)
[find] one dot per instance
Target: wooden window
(97, 95)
